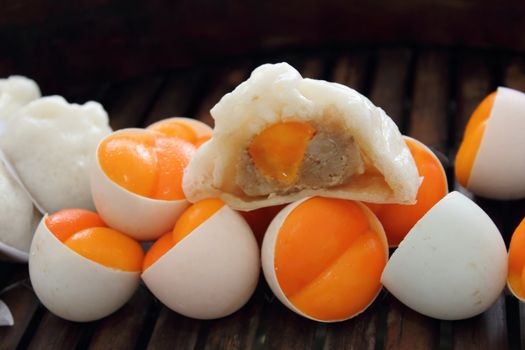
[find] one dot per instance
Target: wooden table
(430, 94)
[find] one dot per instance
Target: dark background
(70, 43)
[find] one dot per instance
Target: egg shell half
(268, 254)
(212, 272)
(498, 171)
(452, 264)
(140, 217)
(72, 286)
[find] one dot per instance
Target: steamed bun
(18, 217)
(279, 137)
(51, 144)
(15, 92)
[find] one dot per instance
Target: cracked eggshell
(452, 264)
(139, 217)
(72, 286)
(212, 272)
(51, 143)
(18, 219)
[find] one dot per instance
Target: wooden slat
(23, 304)
(407, 329)
(225, 81)
(486, 331)
(128, 104)
(474, 84)
(390, 82)
(351, 69)
(237, 331)
(284, 329)
(176, 97)
(428, 119)
(173, 331)
(122, 329)
(57, 333)
(358, 333)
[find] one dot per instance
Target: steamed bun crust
(279, 137)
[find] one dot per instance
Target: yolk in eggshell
(146, 162)
(158, 249)
(516, 274)
(278, 151)
(328, 258)
(186, 224)
(175, 128)
(86, 234)
(398, 219)
(179, 129)
(472, 139)
(66, 222)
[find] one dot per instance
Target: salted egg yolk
(516, 275)
(85, 233)
(398, 219)
(175, 128)
(278, 151)
(146, 162)
(186, 224)
(472, 139)
(328, 259)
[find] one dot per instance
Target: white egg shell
(15, 92)
(18, 219)
(51, 144)
(139, 217)
(73, 287)
(199, 127)
(268, 254)
(452, 264)
(212, 272)
(498, 171)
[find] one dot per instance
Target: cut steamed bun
(18, 219)
(15, 92)
(51, 144)
(279, 137)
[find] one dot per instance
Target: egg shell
(72, 286)
(212, 272)
(268, 254)
(199, 127)
(498, 171)
(452, 264)
(139, 217)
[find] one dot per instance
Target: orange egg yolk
(193, 217)
(278, 151)
(516, 274)
(85, 233)
(472, 139)
(260, 219)
(158, 249)
(66, 222)
(398, 219)
(328, 259)
(147, 163)
(175, 128)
